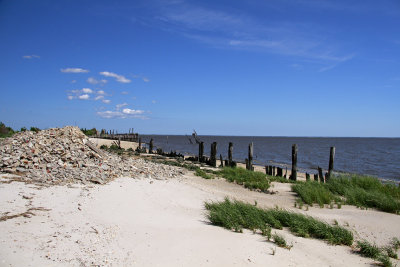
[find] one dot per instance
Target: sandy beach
(152, 222)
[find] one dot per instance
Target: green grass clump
(314, 192)
(360, 191)
(280, 241)
(237, 215)
(372, 251)
(201, 173)
(250, 179)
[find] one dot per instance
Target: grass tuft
(201, 173)
(237, 215)
(361, 191)
(249, 179)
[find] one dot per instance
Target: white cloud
(101, 92)
(118, 78)
(87, 90)
(92, 80)
(145, 79)
(153, 101)
(74, 70)
(70, 97)
(119, 106)
(73, 81)
(129, 111)
(31, 56)
(106, 101)
(124, 93)
(125, 113)
(84, 97)
(98, 97)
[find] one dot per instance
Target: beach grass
(202, 173)
(372, 251)
(249, 179)
(236, 216)
(357, 190)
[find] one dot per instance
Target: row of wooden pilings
(270, 170)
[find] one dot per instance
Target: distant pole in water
(230, 152)
(201, 151)
(331, 160)
(250, 162)
(293, 176)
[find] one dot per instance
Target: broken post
(250, 157)
(230, 151)
(331, 159)
(293, 176)
(321, 175)
(201, 151)
(151, 146)
(213, 155)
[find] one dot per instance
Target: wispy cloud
(106, 101)
(238, 30)
(119, 106)
(94, 81)
(74, 70)
(118, 78)
(30, 56)
(99, 97)
(124, 93)
(137, 76)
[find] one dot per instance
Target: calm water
(372, 156)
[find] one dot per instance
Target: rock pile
(65, 155)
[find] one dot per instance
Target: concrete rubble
(65, 155)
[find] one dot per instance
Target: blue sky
(269, 68)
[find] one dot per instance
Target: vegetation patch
(202, 173)
(360, 191)
(236, 215)
(382, 255)
(249, 179)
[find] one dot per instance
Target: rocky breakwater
(65, 155)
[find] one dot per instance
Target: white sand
(132, 222)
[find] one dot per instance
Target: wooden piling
(331, 160)
(213, 155)
(273, 171)
(279, 172)
(151, 146)
(321, 175)
(293, 176)
(316, 177)
(201, 151)
(250, 157)
(222, 161)
(230, 152)
(307, 176)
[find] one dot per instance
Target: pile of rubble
(65, 155)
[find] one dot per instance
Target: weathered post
(213, 156)
(151, 146)
(273, 170)
(279, 172)
(285, 173)
(222, 161)
(293, 176)
(307, 176)
(250, 157)
(201, 151)
(230, 152)
(316, 177)
(140, 145)
(321, 175)
(331, 159)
